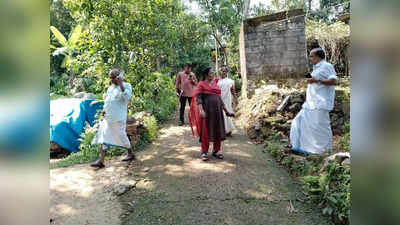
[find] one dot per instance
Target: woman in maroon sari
(206, 115)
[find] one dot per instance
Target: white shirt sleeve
(125, 95)
(332, 73)
(327, 72)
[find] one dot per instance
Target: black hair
(205, 73)
(189, 65)
(319, 52)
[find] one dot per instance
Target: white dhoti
(112, 133)
(311, 132)
(226, 84)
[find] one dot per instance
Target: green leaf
(59, 36)
(76, 34)
(65, 62)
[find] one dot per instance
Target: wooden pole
(216, 56)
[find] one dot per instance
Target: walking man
(311, 132)
(112, 128)
(185, 84)
(228, 95)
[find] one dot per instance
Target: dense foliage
(327, 185)
(149, 40)
(332, 191)
(334, 39)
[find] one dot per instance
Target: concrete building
(273, 46)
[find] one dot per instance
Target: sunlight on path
(171, 185)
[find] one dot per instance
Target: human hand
(312, 80)
(202, 113)
(119, 80)
(230, 114)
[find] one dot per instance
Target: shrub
(88, 152)
(332, 191)
(344, 142)
(155, 93)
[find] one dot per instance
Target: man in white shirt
(228, 95)
(311, 132)
(112, 129)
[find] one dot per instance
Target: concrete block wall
(275, 46)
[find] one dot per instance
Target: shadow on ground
(174, 187)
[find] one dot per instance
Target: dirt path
(170, 185)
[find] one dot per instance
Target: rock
(284, 140)
(346, 109)
(132, 125)
(89, 96)
(340, 122)
(297, 98)
(299, 159)
(79, 95)
(84, 95)
(257, 125)
(337, 132)
(54, 146)
(338, 157)
(252, 133)
(316, 158)
(290, 115)
(275, 119)
(346, 162)
(295, 107)
(334, 117)
(122, 189)
(266, 131)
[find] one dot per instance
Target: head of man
(188, 68)
(208, 74)
(224, 72)
(317, 55)
(113, 75)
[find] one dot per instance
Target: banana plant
(68, 46)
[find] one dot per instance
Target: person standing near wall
(185, 84)
(311, 131)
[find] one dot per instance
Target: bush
(58, 84)
(334, 39)
(332, 191)
(88, 152)
(344, 142)
(329, 187)
(155, 93)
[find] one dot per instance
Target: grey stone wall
(275, 47)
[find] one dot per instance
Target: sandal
(204, 157)
(129, 158)
(217, 155)
(97, 164)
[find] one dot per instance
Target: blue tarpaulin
(68, 119)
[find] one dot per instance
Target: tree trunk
(216, 56)
(246, 9)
